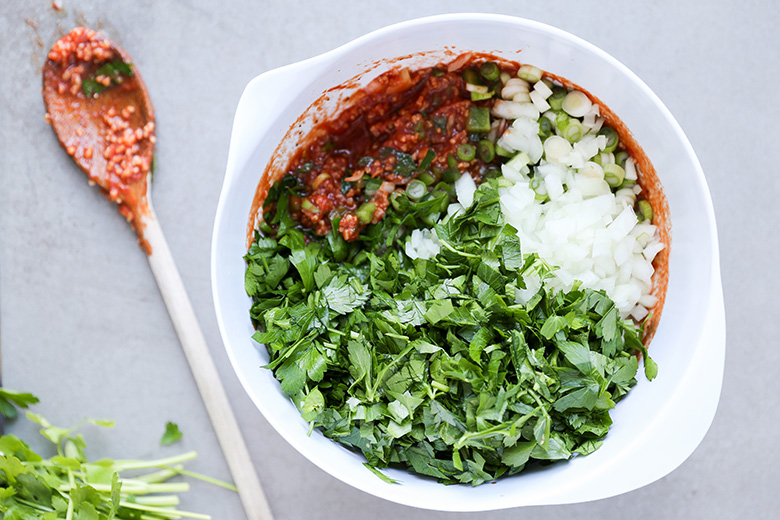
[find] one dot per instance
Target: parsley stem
(210, 480)
(31, 504)
(69, 513)
(457, 251)
(167, 512)
(159, 500)
(124, 465)
(390, 365)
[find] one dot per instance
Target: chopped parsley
(431, 365)
(114, 70)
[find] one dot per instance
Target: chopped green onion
(576, 103)
(519, 162)
(539, 189)
(612, 138)
(470, 75)
(307, 205)
(452, 162)
(491, 173)
(614, 175)
(318, 180)
(372, 184)
(427, 160)
(503, 152)
(574, 131)
(556, 98)
(561, 121)
(466, 152)
(545, 127)
(395, 200)
(479, 120)
(265, 228)
(479, 96)
(620, 158)
(529, 73)
(450, 175)
(489, 71)
(365, 213)
(427, 178)
(645, 209)
(486, 150)
(416, 190)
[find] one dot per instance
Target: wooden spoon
(100, 109)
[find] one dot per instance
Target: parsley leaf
(10, 400)
(171, 435)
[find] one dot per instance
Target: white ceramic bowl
(659, 424)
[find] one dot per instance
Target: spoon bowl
(100, 110)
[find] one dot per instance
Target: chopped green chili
(479, 120)
(365, 213)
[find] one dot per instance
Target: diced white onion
(539, 100)
(464, 189)
(543, 90)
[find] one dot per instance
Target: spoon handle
(205, 373)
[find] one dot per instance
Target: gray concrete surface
(84, 328)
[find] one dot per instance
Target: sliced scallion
(612, 138)
(480, 96)
(365, 213)
(486, 150)
(620, 157)
(466, 152)
(427, 160)
(529, 73)
(556, 98)
(427, 178)
(574, 131)
(614, 175)
(489, 71)
(645, 209)
(576, 103)
(503, 152)
(416, 190)
(307, 205)
(450, 175)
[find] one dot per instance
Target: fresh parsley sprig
(69, 486)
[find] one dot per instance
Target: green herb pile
(430, 364)
(68, 486)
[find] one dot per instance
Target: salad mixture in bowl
(459, 272)
(441, 256)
